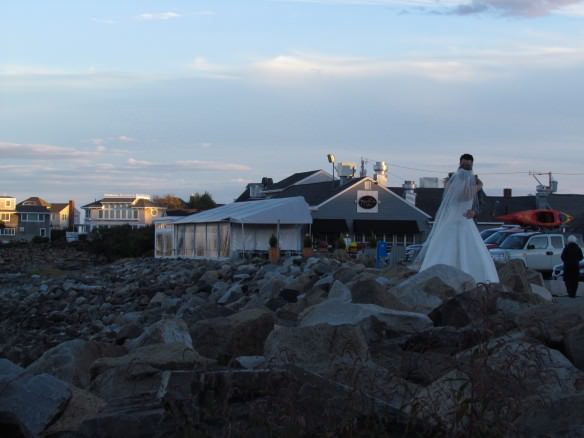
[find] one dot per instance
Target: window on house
(100, 214)
(5, 217)
(154, 212)
(43, 232)
(8, 203)
(135, 214)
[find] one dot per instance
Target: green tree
(170, 201)
(201, 201)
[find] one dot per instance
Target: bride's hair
(467, 157)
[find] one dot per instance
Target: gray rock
(428, 289)
(319, 348)
(33, 400)
(240, 334)
(339, 291)
(165, 331)
(335, 312)
(232, 294)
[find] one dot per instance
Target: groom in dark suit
(466, 162)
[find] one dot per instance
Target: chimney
(507, 193)
(346, 172)
(410, 192)
(71, 217)
(380, 168)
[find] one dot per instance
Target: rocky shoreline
(319, 346)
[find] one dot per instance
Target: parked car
(485, 234)
(558, 272)
(498, 237)
(537, 250)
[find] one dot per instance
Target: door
(538, 254)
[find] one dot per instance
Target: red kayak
(542, 218)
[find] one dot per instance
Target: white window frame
(3, 217)
(43, 232)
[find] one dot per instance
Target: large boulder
(550, 322)
(165, 331)
(374, 291)
(428, 289)
(517, 277)
(339, 291)
(336, 312)
(82, 406)
(71, 360)
(33, 401)
(318, 348)
(240, 334)
(140, 370)
(574, 345)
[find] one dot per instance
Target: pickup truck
(540, 251)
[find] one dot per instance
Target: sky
(157, 97)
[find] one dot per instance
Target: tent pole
(243, 237)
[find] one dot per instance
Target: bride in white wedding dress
(454, 239)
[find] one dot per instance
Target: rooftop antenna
(363, 172)
(544, 191)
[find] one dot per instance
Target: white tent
(238, 227)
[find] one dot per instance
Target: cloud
(465, 65)
(212, 71)
(158, 16)
(126, 139)
(525, 8)
(205, 144)
(188, 165)
(43, 152)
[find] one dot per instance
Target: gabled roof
(94, 204)
(271, 189)
(316, 193)
(35, 200)
(291, 180)
(268, 211)
(56, 208)
(140, 203)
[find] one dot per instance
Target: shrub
(307, 241)
(341, 244)
(122, 241)
(273, 241)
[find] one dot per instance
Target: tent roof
(293, 210)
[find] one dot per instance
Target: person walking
(571, 256)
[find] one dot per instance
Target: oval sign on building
(367, 202)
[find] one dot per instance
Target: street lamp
(331, 159)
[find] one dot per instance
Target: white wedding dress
(454, 239)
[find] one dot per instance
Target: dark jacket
(571, 256)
